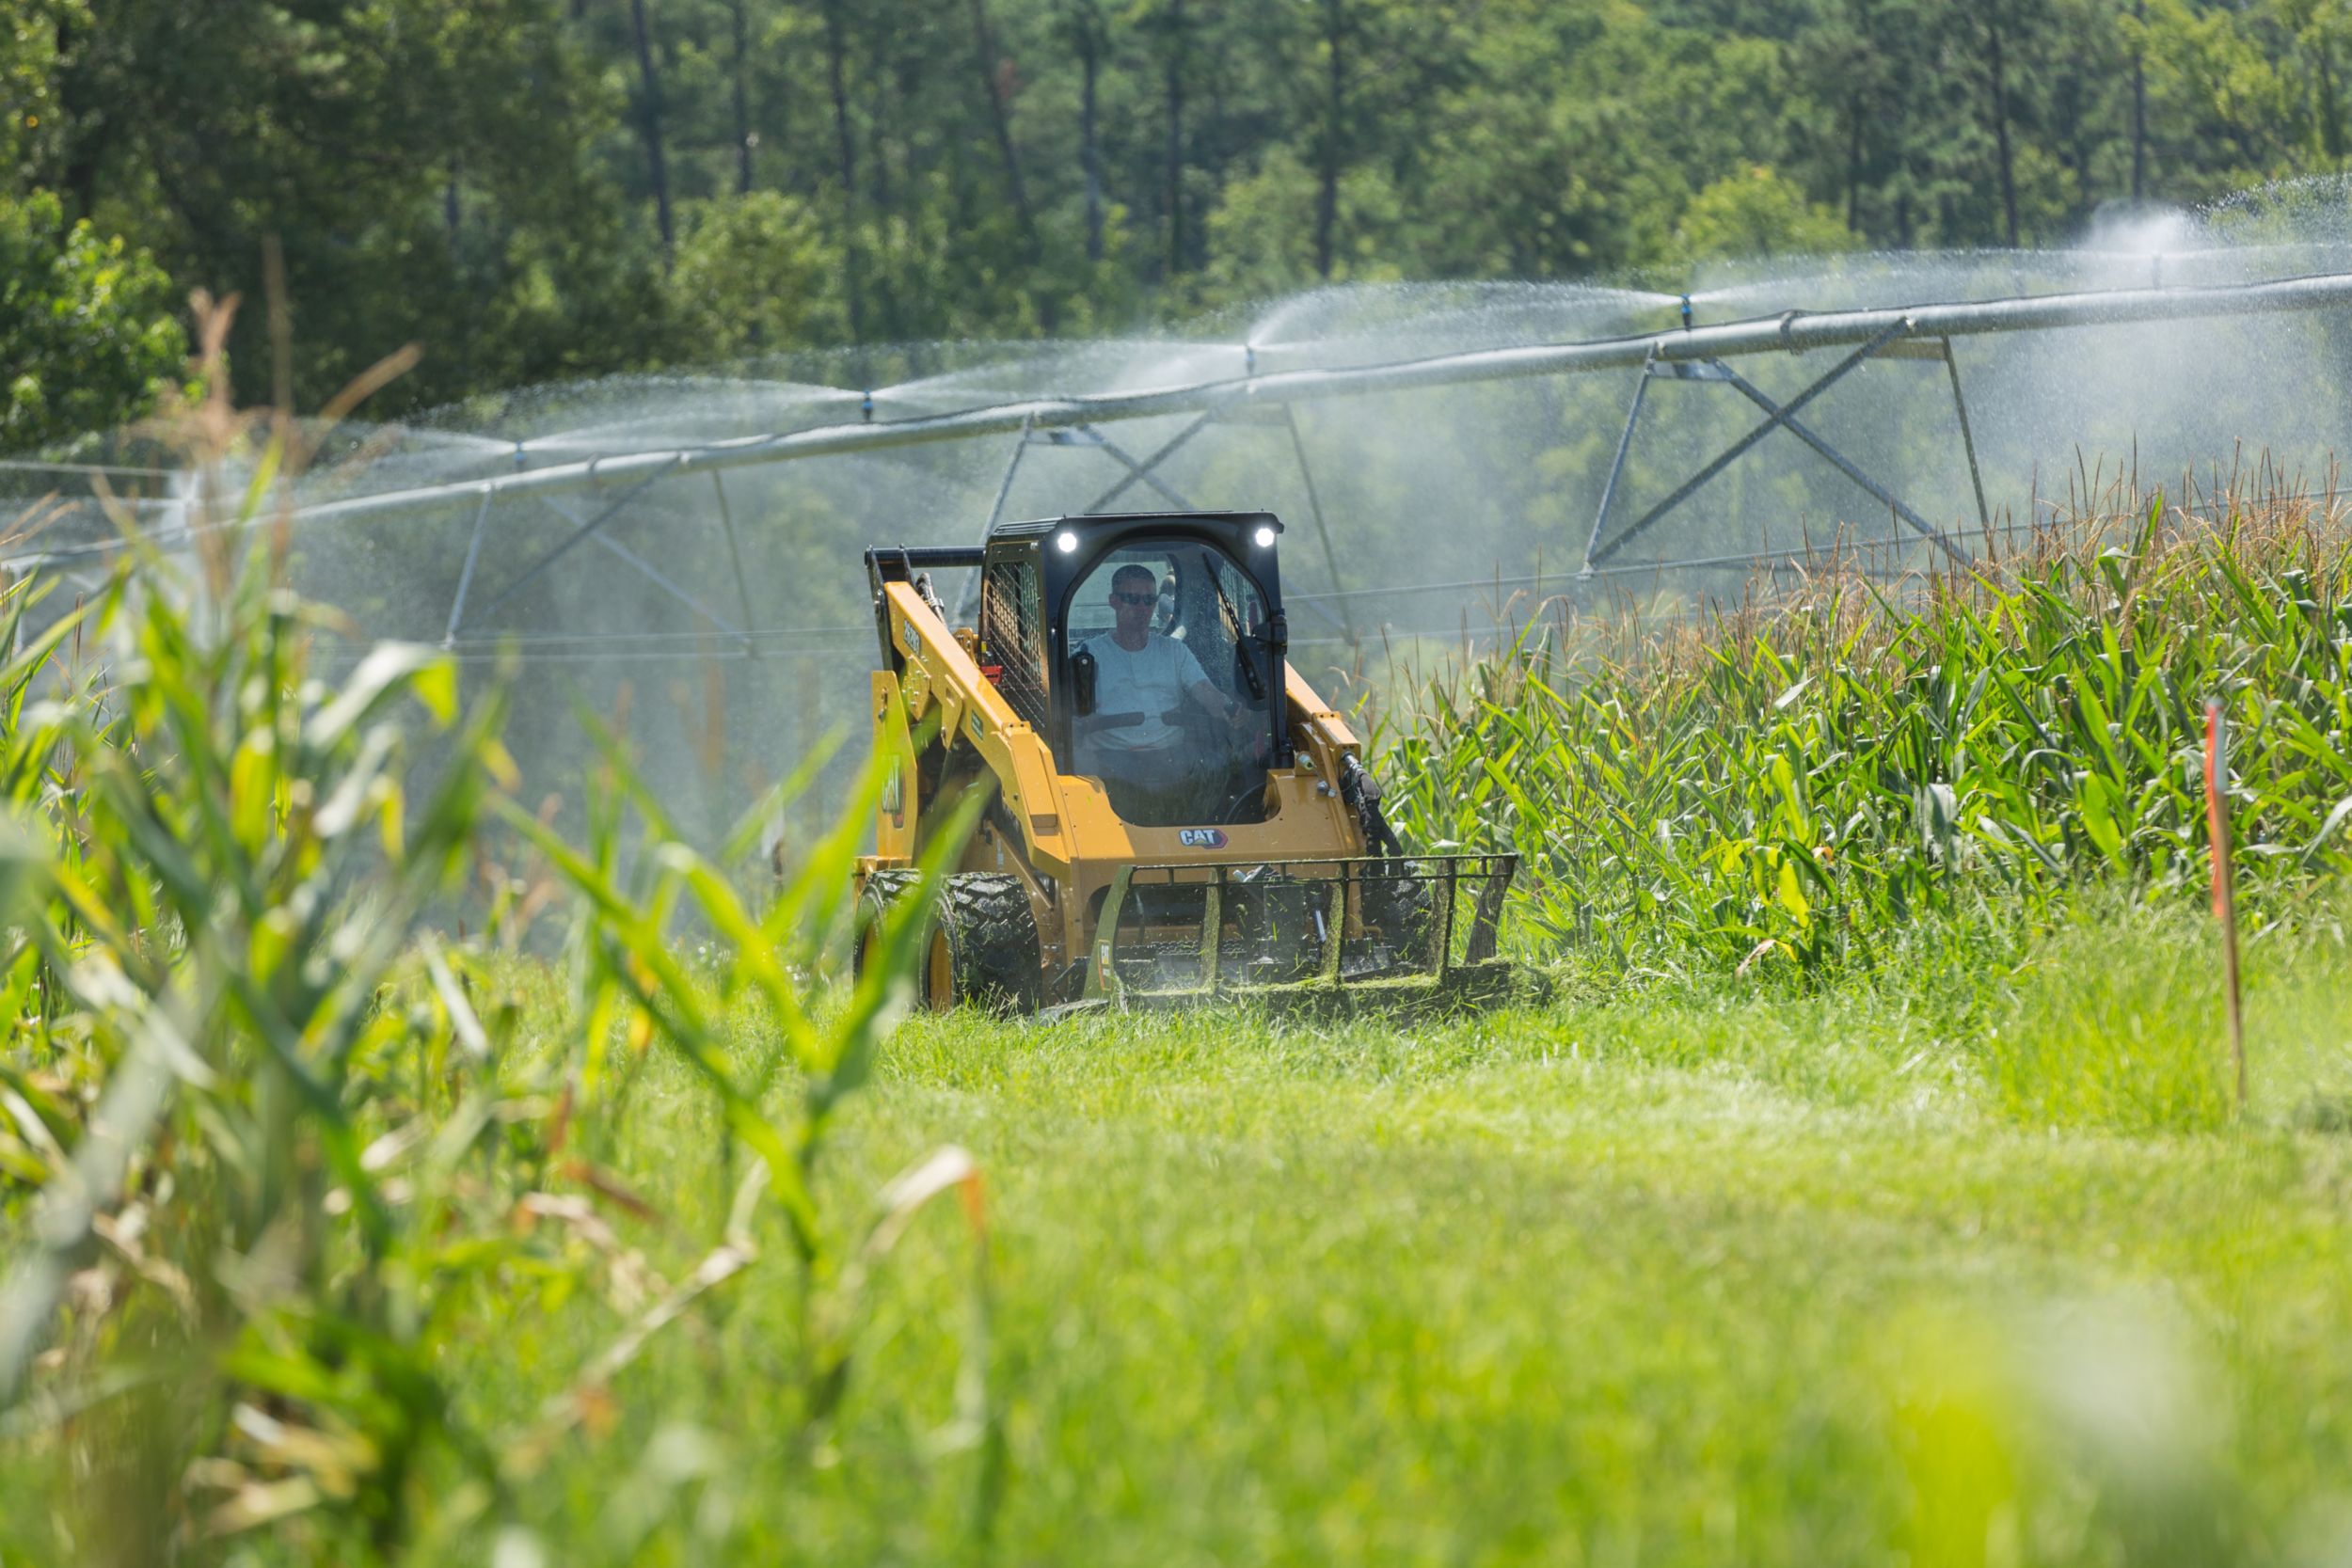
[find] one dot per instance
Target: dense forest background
(534, 189)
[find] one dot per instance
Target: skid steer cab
(1173, 814)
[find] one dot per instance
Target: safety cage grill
(1012, 638)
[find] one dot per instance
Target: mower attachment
(1364, 928)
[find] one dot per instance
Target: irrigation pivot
(1789, 332)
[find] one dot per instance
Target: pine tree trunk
(2001, 132)
(1854, 167)
(2139, 106)
(2330, 112)
(650, 122)
(1175, 154)
(837, 79)
(1000, 114)
(86, 127)
(893, 82)
(1091, 148)
(743, 142)
(1335, 111)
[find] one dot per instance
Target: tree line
(534, 189)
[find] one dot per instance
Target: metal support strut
(735, 554)
(1730, 455)
(613, 509)
(1869, 486)
(1600, 548)
(1967, 440)
(1136, 472)
(1616, 464)
(1143, 471)
(1323, 529)
(968, 601)
(465, 577)
(653, 574)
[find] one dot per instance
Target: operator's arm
(1211, 701)
(1199, 689)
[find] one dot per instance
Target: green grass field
(1898, 1273)
(1963, 1266)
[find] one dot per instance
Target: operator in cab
(1143, 739)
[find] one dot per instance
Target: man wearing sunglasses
(1136, 740)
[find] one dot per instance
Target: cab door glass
(1182, 724)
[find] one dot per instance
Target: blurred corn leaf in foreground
(271, 1150)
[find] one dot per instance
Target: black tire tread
(991, 934)
(882, 889)
(992, 941)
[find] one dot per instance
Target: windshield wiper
(1234, 629)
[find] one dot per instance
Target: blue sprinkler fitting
(1686, 312)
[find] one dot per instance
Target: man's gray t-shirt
(1151, 681)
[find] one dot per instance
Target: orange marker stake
(2224, 883)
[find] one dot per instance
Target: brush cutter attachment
(1398, 928)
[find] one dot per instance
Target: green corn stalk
(271, 1140)
(1807, 782)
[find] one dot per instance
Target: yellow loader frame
(1084, 869)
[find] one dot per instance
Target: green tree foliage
(29, 35)
(1757, 213)
(757, 273)
(88, 337)
(425, 166)
(539, 188)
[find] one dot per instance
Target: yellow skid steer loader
(1175, 813)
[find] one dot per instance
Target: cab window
(1179, 729)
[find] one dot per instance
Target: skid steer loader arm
(936, 675)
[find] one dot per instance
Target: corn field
(1794, 783)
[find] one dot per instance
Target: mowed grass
(1970, 1263)
(1913, 1272)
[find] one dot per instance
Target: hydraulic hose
(1360, 791)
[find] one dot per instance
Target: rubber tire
(882, 889)
(983, 947)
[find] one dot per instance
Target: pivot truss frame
(1695, 354)
(593, 529)
(1892, 343)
